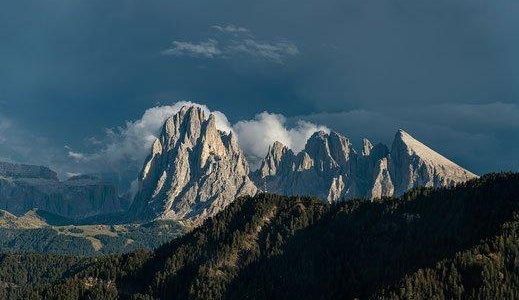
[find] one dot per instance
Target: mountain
(460, 242)
(193, 171)
(10, 170)
(26, 187)
(330, 169)
(414, 164)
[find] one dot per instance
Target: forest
(451, 243)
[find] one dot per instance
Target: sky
(85, 84)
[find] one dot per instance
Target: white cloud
(208, 49)
(230, 28)
(256, 135)
(76, 155)
(131, 143)
(128, 145)
(232, 41)
(274, 52)
(71, 174)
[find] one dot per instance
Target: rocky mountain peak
(415, 164)
(366, 147)
(330, 168)
(404, 142)
(276, 154)
(194, 170)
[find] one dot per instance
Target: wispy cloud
(228, 41)
(230, 28)
(18, 144)
(208, 49)
(76, 155)
(274, 52)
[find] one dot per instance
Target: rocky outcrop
(193, 171)
(329, 168)
(24, 187)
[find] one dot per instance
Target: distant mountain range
(26, 187)
(194, 171)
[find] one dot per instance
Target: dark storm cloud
(446, 70)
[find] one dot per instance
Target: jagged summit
(331, 169)
(192, 172)
(414, 164)
(366, 147)
(321, 169)
(195, 170)
(275, 155)
(413, 146)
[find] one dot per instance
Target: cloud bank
(229, 41)
(131, 142)
(126, 147)
(258, 134)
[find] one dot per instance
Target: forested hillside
(88, 240)
(455, 243)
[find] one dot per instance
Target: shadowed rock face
(25, 187)
(26, 171)
(329, 168)
(192, 172)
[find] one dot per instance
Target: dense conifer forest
(451, 243)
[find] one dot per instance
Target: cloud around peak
(258, 134)
(128, 145)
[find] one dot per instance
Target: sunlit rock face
(414, 164)
(193, 171)
(329, 168)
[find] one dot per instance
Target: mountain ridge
(335, 170)
(194, 170)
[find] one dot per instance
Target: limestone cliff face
(323, 169)
(329, 168)
(192, 172)
(25, 187)
(414, 164)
